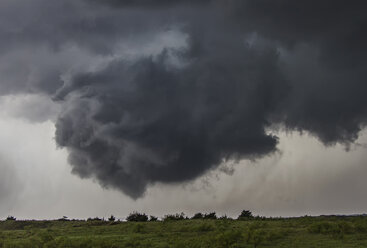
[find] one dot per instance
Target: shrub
(210, 216)
(153, 218)
(245, 214)
(225, 217)
(94, 219)
(137, 217)
(169, 217)
(112, 218)
(64, 218)
(197, 216)
(11, 218)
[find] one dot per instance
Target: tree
(211, 216)
(94, 219)
(64, 218)
(180, 216)
(11, 218)
(137, 217)
(197, 216)
(245, 214)
(112, 218)
(153, 218)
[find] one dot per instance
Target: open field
(328, 231)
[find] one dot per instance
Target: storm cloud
(164, 91)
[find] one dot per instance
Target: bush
(64, 218)
(210, 216)
(153, 218)
(11, 218)
(94, 219)
(224, 217)
(197, 216)
(170, 217)
(245, 214)
(137, 217)
(112, 218)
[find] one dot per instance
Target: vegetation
(137, 217)
(245, 214)
(178, 231)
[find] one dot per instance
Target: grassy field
(254, 232)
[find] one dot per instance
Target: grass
(307, 232)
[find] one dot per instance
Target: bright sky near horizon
(304, 177)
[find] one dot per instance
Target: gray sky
(304, 177)
(163, 107)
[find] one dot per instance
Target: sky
(109, 107)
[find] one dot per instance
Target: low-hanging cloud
(245, 67)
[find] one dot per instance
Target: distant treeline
(142, 217)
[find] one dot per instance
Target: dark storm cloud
(326, 62)
(150, 3)
(247, 66)
(144, 122)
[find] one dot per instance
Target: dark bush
(210, 216)
(137, 217)
(197, 216)
(153, 218)
(94, 219)
(225, 217)
(245, 214)
(112, 218)
(64, 218)
(169, 217)
(11, 218)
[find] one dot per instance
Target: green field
(253, 232)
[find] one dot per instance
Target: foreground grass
(295, 232)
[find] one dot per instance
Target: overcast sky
(185, 106)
